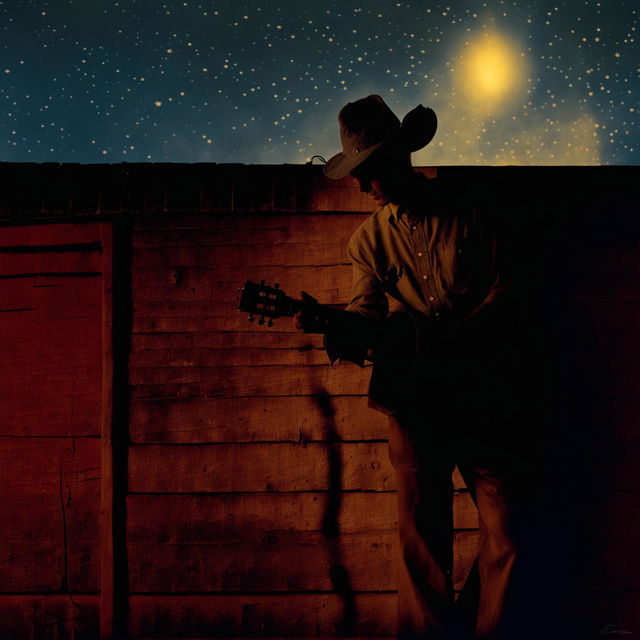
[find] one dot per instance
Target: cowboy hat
(368, 124)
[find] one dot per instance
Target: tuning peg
(251, 318)
(261, 320)
(261, 283)
(276, 285)
(270, 323)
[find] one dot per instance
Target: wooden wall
(51, 305)
(258, 497)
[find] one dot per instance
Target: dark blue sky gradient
(262, 82)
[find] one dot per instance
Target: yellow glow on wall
(492, 70)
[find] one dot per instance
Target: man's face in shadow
(384, 175)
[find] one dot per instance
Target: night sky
(512, 82)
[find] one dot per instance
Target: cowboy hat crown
(368, 124)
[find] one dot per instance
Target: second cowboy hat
(368, 124)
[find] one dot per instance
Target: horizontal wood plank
(263, 338)
(61, 261)
(303, 380)
(36, 235)
(362, 466)
(259, 467)
(256, 228)
(50, 484)
(219, 285)
(198, 519)
(54, 617)
(289, 254)
(282, 561)
(295, 419)
(293, 616)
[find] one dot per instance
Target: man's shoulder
(371, 227)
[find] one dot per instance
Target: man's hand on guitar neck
(308, 319)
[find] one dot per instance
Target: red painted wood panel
(50, 361)
(50, 617)
(50, 425)
(50, 506)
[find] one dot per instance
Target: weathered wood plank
(282, 561)
(294, 616)
(168, 231)
(49, 483)
(108, 570)
(226, 357)
(228, 320)
(289, 254)
(16, 263)
(258, 467)
(50, 357)
(35, 235)
(51, 387)
(219, 285)
(261, 467)
(303, 380)
(51, 295)
(190, 310)
(54, 617)
(263, 338)
(197, 519)
(191, 420)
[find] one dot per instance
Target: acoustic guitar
(398, 335)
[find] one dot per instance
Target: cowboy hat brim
(416, 132)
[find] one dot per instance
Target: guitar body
(400, 345)
(401, 335)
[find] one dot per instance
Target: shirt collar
(397, 210)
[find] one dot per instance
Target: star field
(512, 81)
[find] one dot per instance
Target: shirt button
(413, 227)
(430, 298)
(419, 253)
(424, 277)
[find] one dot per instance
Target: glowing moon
(492, 70)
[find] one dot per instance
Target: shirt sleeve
(367, 299)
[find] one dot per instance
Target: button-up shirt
(435, 256)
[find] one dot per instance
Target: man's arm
(368, 299)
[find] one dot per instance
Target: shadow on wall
(331, 519)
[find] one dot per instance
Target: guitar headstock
(264, 301)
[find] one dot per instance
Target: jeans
(425, 444)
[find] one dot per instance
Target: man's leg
(496, 546)
(425, 501)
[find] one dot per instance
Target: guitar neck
(271, 302)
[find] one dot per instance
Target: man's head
(385, 174)
(376, 147)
